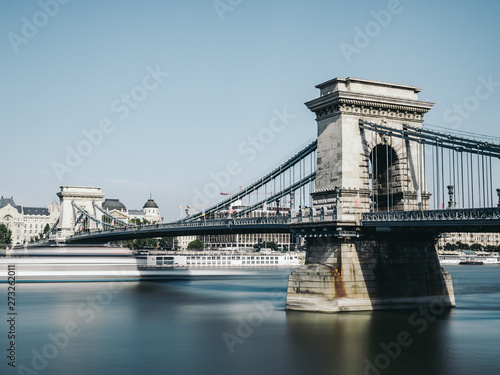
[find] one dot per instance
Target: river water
(238, 325)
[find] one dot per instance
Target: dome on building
(113, 204)
(150, 204)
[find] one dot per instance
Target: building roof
(5, 201)
(113, 204)
(135, 212)
(150, 204)
(36, 211)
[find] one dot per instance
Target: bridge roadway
(272, 224)
(430, 221)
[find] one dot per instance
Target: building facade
(150, 211)
(483, 239)
(242, 241)
(26, 223)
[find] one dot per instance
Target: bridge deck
(434, 221)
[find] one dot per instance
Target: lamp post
(451, 192)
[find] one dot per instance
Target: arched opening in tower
(386, 193)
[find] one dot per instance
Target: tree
(272, 245)
(450, 246)
(137, 221)
(476, 247)
(142, 243)
(5, 236)
(196, 245)
(166, 243)
(491, 248)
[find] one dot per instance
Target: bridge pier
(355, 274)
(350, 267)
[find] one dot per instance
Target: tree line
(475, 247)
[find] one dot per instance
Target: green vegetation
(196, 245)
(266, 245)
(5, 236)
(272, 245)
(106, 219)
(163, 243)
(166, 243)
(142, 243)
(475, 247)
(137, 221)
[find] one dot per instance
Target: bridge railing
(492, 213)
(311, 215)
(227, 222)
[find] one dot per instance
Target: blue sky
(220, 76)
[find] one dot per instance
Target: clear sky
(170, 92)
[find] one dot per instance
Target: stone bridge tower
(84, 197)
(363, 169)
(349, 267)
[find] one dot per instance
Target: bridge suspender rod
(438, 187)
(425, 136)
(375, 168)
(111, 216)
(442, 177)
(387, 174)
(420, 178)
(87, 215)
(279, 195)
(471, 179)
(462, 177)
(46, 235)
(485, 199)
(290, 163)
(491, 187)
(454, 154)
(77, 221)
(479, 187)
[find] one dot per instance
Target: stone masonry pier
(349, 267)
(369, 274)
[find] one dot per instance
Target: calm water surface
(238, 325)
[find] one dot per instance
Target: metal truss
(87, 215)
(291, 162)
(278, 195)
(431, 137)
(469, 214)
(111, 216)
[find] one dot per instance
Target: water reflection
(182, 327)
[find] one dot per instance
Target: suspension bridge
(369, 196)
(463, 202)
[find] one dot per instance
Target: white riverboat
(102, 264)
(468, 257)
(69, 264)
(221, 259)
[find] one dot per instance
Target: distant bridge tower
(84, 197)
(362, 169)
